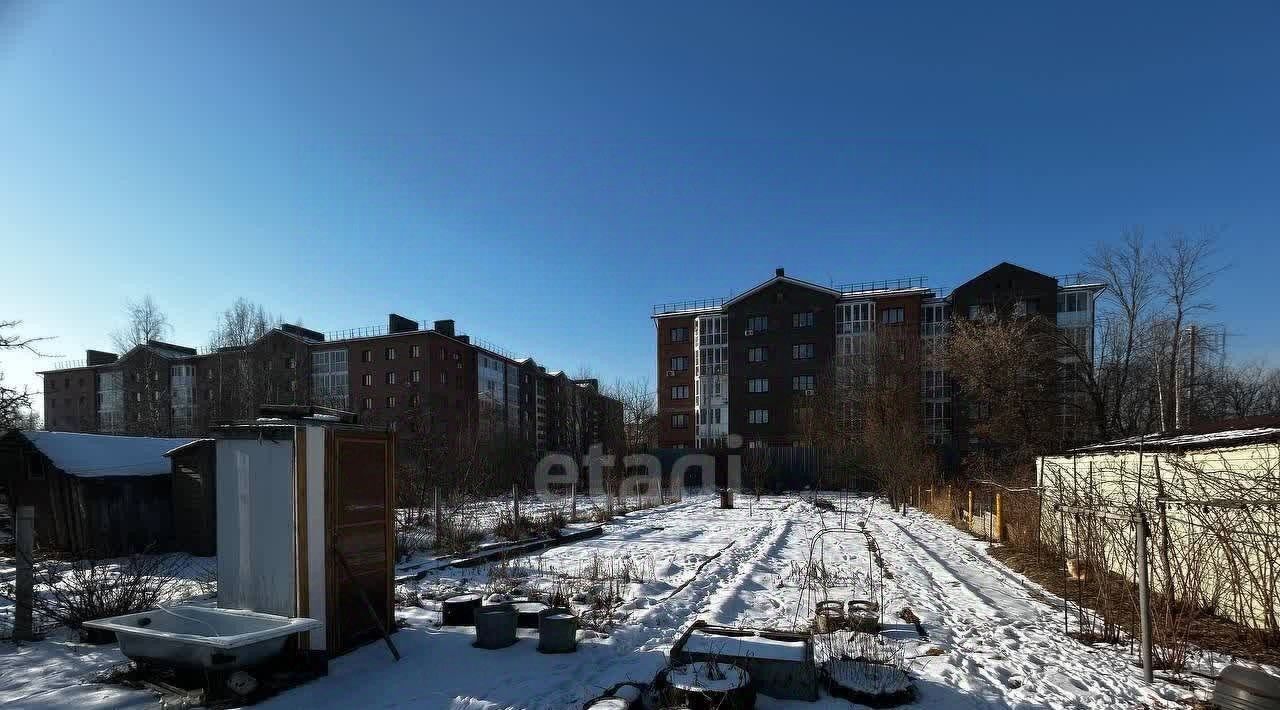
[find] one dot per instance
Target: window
(1073, 302)
(679, 421)
(137, 396)
(802, 320)
(366, 356)
(680, 392)
(293, 385)
(802, 383)
(329, 377)
(368, 402)
(367, 380)
(758, 416)
(757, 354)
(934, 318)
(893, 316)
(441, 353)
(444, 377)
(758, 324)
(854, 318)
(679, 335)
(414, 400)
(208, 395)
(415, 351)
(680, 364)
(802, 351)
(415, 375)
(935, 384)
(389, 353)
(981, 311)
(391, 400)
(758, 385)
(391, 378)
(290, 363)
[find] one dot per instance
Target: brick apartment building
(405, 377)
(742, 365)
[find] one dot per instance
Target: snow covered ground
(998, 636)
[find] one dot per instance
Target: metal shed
(305, 525)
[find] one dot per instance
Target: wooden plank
(303, 561)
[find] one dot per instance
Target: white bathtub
(202, 637)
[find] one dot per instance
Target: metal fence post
(515, 505)
(999, 521)
(438, 516)
(573, 501)
(1144, 595)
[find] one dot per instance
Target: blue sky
(543, 172)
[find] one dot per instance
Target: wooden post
(970, 508)
(999, 522)
(515, 506)
(24, 534)
(573, 501)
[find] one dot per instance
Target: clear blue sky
(543, 172)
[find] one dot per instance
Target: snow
(999, 637)
(103, 455)
(707, 676)
(749, 646)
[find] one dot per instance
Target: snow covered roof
(102, 455)
(1184, 440)
(189, 444)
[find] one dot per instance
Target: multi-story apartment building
(402, 376)
(742, 365)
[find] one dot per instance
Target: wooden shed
(195, 502)
(306, 526)
(95, 495)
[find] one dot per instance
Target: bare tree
(639, 412)
(15, 403)
(1186, 272)
(241, 324)
(145, 322)
(1128, 272)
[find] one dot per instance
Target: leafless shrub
(71, 593)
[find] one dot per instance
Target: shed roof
(1241, 432)
(103, 455)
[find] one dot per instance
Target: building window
(1073, 302)
(802, 383)
(290, 363)
(391, 400)
(680, 363)
(893, 316)
(854, 318)
(934, 318)
(368, 402)
(935, 384)
(329, 377)
(757, 324)
(757, 354)
(389, 353)
(293, 385)
(679, 421)
(415, 351)
(758, 416)
(366, 356)
(679, 335)
(444, 377)
(415, 375)
(137, 396)
(414, 400)
(802, 320)
(391, 378)
(802, 351)
(758, 385)
(367, 380)
(680, 392)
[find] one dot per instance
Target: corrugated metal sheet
(256, 537)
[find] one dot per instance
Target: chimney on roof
(304, 333)
(444, 327)
(779, 271)
(399, 324)
(465, 338)
(98, 357)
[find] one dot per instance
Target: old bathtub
(195, 637)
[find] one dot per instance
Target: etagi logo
(557, 472)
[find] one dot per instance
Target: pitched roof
(103, 455)
(1212, 435)
(780, 279)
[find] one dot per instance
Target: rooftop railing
(884, 284)
(692, 305)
